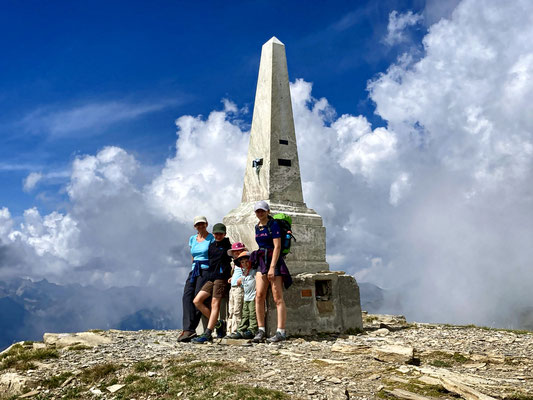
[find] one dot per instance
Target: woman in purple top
(271, 272)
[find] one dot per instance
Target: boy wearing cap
(248, 326)
(217, 284)
(236, 293)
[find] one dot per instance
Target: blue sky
(79, 76)
(121, 121)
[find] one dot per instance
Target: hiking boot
(248, 335)
(278, 337)
(220, 328)
(186, 336)
(203, 338)
(259, 337)
(235, 335)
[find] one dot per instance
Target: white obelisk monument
(319, 300)
(272, 168)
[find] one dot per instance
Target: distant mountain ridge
(28, 309)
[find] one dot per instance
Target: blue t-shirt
(248, 283)
(264, 238)
(199, 249)
(237, 273)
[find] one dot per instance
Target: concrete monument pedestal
(319, 300)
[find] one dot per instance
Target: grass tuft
(145, 366)
(98, 372)
(20, 357)
(79, 347)
(56, 380)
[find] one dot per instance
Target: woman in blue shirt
(272, 271)
(198, 276)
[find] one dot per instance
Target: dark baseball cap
(219, 228)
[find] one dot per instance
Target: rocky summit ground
(390, 359)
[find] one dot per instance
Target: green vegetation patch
(56, 380)
(194, 380)
(442, 359)
(519, 396)
(98, 372)
(131, 378)
(71, 393)
(145, 366)
(417, 387)
(244, 392)
(20, 357)
(79, 347)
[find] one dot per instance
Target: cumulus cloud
(466, 145)
(398, 23)
(435, 207)
(205, 176)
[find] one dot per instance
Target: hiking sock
(261, 328)
(282, 331)
(208, 332)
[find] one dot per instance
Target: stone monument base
(324, 302)
(307, 251)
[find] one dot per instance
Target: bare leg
(199, 303)
(277, 293)
(261, 287)
(215, 308)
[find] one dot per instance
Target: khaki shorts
(218, 289)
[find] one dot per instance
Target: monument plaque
(331, 301)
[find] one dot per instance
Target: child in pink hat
(236, 292)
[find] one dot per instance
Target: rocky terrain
(390, 359)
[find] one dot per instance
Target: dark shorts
(218, 289)
(264, 271)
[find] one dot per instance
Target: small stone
(95, 391)
(334, 379)
(404, 369)
(216, 394)
(67, 381)
(114, 388)
(29, 394)
(429, 380)
(151, 373)
(269, 374)
(394, 353)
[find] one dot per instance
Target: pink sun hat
(236, 247)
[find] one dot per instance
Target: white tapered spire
(272, 169)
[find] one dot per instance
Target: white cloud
(398, 23)
(89, 118)
(205, 176)
(31, 181)
(399, 188)
(6, 223)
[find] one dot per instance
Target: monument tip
(274, 40)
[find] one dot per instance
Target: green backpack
(284, 222)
